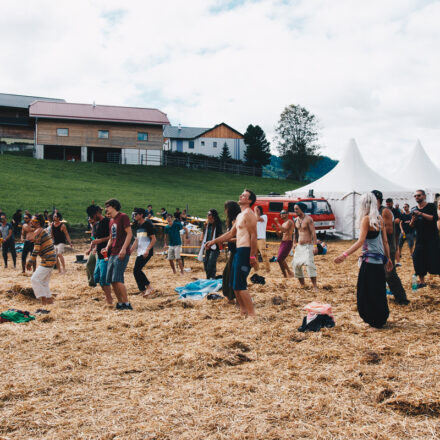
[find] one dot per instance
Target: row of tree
(296, 142)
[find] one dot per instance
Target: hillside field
(37, 185)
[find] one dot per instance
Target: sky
(368, 70)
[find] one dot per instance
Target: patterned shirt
(43, 246)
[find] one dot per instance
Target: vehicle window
(275, 206)
(309, 204)
(321, 207)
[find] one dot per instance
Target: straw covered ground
(175, 369)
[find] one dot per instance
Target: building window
(142, 136)
(103, 134)
(191, 144)
(202, 143)
(214, 144)
(62, 132)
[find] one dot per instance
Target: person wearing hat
(392, 278)
(304, 241)
(285, 231)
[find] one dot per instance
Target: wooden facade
(85, 134)
(15, 124)
(222, 131)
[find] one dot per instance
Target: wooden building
(208, 141)
(17, 129)
(98, 133)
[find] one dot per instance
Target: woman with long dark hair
(213, 229)
(371, 286)
(232, 209)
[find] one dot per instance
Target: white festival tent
(343, 186)
(419, 172)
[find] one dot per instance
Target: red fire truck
(318, 208)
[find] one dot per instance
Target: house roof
(90, 112)
(22, 101)
(174, 132)
(171, 131)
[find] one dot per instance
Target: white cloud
(368, 70)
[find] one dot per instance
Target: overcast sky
(367, 69)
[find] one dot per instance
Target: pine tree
(225, 155)
(258, 148)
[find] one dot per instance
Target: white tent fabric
(419, 173)
(344, 184)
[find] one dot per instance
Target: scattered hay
(415, 408)
(173, 369)
(17, 289)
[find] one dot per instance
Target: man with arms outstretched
(245, 229)
(304, 241)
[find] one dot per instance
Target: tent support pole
(354, 219)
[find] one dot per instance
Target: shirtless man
(285, 231)
(27, 236)
(305, 236)
(245, 229)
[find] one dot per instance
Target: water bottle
(414, 282)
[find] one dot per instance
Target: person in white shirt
(261, 236)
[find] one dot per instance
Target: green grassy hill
(37, 185)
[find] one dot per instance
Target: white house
(208, 141)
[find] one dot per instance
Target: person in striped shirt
(44, 248)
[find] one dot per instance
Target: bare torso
(287, 228)
(303, 227)
(28, 232)
(242, 225)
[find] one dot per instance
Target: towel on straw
(17, 316)
(199, 289)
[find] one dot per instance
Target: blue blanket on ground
(199, 289)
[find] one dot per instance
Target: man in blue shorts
(245, 229)
(118, 249)
(102, 235)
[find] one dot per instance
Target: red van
(318, 208)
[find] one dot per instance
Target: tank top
(373, 244)
(58, 234)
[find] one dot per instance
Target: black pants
(371, 294)
(139, 276)
(28, 247)
(210, 263)
(228, 291)
(426, 258)
(9, 246)
(394, 282)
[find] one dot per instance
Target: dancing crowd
(383, 230)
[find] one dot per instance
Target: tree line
(297, 133)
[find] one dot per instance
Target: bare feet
(148, 291)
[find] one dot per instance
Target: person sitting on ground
(304, 241)
(285, 231)
(60, 237)
(173, 242)
(27, 236)
(177, 214)
(44, 248)
(8, 242)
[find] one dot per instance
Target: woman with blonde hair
(371, 286)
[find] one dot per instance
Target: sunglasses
(418, 195)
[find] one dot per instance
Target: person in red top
(118, 249)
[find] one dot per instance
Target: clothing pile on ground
(17, 316)
(318, 316)
(199, 289)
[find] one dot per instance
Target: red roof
(89, 112)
